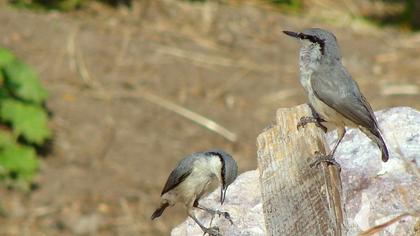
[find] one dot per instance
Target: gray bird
(195, 176)
(332, 93)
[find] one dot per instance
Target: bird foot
(309, 119)
(212, 231)
(329, 159)
(226, 215)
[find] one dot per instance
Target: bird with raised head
(332, 93)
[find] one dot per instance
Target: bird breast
(207, 173)
(204, 178)
(310, 55)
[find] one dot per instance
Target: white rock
(374, 191)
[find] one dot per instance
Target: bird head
(317, 44)
(228, 172)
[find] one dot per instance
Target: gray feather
(180, 173)
(339, 91)
(324, 76)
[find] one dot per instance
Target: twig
(169, 105)
(193, 116)
(71, 49)
(207, 61)
(197, 57)
(228, 84)
(108, 140)
(105, 94)
(400, 89)
(380, 227)
(78, 62)
(119, 60)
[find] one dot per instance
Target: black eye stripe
(223, 172)
(313, 39)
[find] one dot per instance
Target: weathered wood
(298, 199)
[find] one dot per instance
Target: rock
(374, 192)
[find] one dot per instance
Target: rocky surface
(374, 192)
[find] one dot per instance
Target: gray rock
(374, 192)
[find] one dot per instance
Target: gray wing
(179, 174)
(338, 90)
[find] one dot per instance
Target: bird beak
(292, 34)
(222, 195)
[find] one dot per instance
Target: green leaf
(27, 120)
(20, 160)
(23, 82)
(6, 139)
(6, 57)
(3, 92)
(15, 158)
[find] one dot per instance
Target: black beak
(222, 195)
(292, 34)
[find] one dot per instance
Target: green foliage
(23, 120)
(27, 120)
(407, 18)
(63, 5)
(17, 161)
(290, 6)
(68, 5)
(6, 57)
(24, 82)
(195, 0)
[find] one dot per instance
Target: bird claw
(329, 159)
(304, 120)
(212, 231)
(226, 215)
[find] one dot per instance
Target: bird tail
(158, 212)
(381, 144)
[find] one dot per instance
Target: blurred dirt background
(117, 78)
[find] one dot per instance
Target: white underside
(204, 178)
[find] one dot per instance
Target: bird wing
(338, 90)
(179, 174)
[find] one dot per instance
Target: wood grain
(298, 199)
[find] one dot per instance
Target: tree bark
(298, 199)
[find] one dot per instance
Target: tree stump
(298, 199)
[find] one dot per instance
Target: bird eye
(319, 41)
(302, 36)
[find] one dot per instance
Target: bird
(196, 176)
(332, 93)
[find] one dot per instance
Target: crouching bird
(196, 176)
